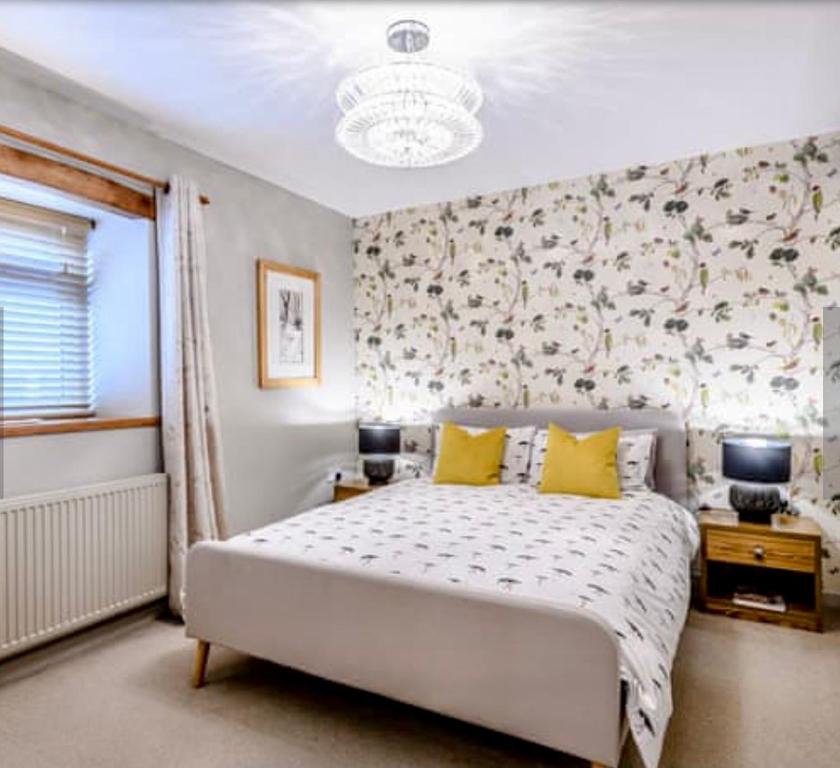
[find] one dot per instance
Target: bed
(551, 618)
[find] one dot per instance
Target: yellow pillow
(584, 467)
(466, 459)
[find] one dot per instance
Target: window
(45, 280)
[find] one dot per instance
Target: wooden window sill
(63, 426)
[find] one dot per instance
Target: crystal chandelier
(409, 112)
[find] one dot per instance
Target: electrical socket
(334, 475)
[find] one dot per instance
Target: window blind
(45, 279)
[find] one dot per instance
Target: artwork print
(289, 327)
(290, 335)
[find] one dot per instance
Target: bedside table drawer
(756, 549)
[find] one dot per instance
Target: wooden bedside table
(783, 558)
(347, 489)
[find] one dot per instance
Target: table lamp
(379, 444)
(759, 464)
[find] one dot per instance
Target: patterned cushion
(636, 455)
(517, 455)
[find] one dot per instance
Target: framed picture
(289, 325)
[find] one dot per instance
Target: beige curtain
(192, 449)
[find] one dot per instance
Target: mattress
(626, 561)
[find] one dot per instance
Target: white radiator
(71, 558)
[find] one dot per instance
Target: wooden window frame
(70, 177)
(75, 181)
(66, 426)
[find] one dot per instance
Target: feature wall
(697, 285)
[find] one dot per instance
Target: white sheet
(627, 560)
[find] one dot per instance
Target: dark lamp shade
(756, 459)
(379, 439)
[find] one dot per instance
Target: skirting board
(37, 659)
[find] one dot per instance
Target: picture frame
(288, 325)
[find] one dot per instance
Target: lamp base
(378, 471)
(755, 503)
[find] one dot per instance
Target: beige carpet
(746, 695)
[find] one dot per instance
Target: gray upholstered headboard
(671, 474)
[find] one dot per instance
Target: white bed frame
(545, 674)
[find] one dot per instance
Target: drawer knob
(758, 552)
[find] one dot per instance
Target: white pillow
(635, 458)
(517, 455)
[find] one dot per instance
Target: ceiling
(570, 88)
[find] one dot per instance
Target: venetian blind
(45, 276)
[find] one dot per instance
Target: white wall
(52, 462)
(279, 444)
(124, 317)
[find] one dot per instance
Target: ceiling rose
(409, 112)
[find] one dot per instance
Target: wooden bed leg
(202, 651)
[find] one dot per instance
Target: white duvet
(626, 560)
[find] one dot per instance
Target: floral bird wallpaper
(697, 285)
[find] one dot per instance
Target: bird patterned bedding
(627, 560)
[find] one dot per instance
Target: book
(748, 599)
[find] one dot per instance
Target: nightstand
(783, 558)
(347, 489)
